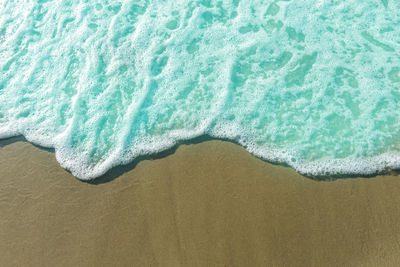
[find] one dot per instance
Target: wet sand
(207, 204)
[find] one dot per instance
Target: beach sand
(206, 204)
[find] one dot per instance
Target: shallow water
(314, 84)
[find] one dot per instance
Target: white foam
(313, 86)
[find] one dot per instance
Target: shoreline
(208, 203)
(119, 170)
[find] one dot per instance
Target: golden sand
(207, 204)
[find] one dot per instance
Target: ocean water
(311, 83)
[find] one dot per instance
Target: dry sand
(207, 204)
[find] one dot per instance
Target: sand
(207, 204)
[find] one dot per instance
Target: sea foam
(313, 84)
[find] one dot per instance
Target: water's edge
(119, 170)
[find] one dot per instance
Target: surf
(312, 85)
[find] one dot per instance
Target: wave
(315, 86)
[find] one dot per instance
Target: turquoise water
(314, 84)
